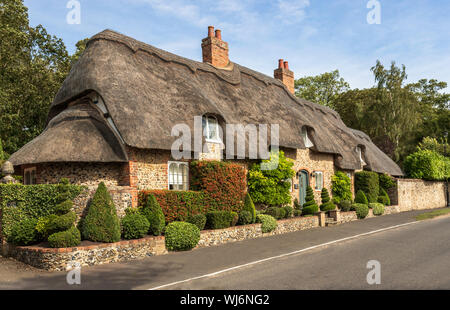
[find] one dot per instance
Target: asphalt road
(415, 256)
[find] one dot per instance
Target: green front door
(303, 177)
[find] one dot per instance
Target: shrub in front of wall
(250, 207)
(289, 211)
(154, 214)
(297, 205)
(362, 210)
(219, 219)
(235, 218)
(198, 220)
(345, 205)
(62, 222)
(386, 181)
(327, 204)
(101, 223)
(310, 207)
(378, 208)
(64, 207)
(341, 186)
(245, 218)
(43, 226)
(427, 165)
(276, 212)
(367, 181)
(297, 212)
(134, 226)
(268, 223)
(384, 198)
(361, 198)
(223, 183)
(181, 236)
(24, 232)
(65, 239)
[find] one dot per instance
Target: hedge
(198, 220)
(341, 187)
(427, 165)
(19, 201)
(268, 223)
(362, 210)
(221, 219)
(181, 236)
(154, 214)
(361, 198)
(367, 181)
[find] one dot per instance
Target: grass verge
(432, 214)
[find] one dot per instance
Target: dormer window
(308, 143)
(210, 128)
(359, 152)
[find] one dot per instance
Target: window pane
(205, 126)
(212, 126)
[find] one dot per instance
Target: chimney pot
(210, 31)
(219, 34)
(280, 64)
(286, 65)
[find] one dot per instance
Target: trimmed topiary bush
(245, 218)
(297, 205)
(297, 212)
(65, 239)
(134, 226)
(44, 226)
(181, 236)
(377, 208)
(384, 198)
(268, 223)
(250, 207)
(101, 223)
(327, 204)
(361, 198)
(289, 211)
(368, 182)
(362, 210)
(310, 207)
(345, 205)
(278, 213)
(219, 219)
(154, 214)
(24, 232)
(198, 220)
(62, 222)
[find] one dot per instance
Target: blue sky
(315, 36)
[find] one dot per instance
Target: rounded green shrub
(245, 218)
(101, 223)
(154, 214)
(62, 222)
(198, 220)
(378, 208)
(250, 206)
(361, 198)
(384, 198)
(345, 205)
(134, 226)
(289, 211)
(24, 232)
(310, 206)
(181, 236)
(268, 223)
(65, 239)
(362, 210)
(297, 212)
(219, 219)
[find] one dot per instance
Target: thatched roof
(147, 91)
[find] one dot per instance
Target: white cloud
(292, 11)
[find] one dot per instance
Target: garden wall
(414, 194)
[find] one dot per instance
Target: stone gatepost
(322, 218)
(336, 215)
(8, 171)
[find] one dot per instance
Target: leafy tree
(428, 165)
(271, 187)
(432, 144)
(322, 89)
(341, 187)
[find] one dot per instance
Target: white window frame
(205, 129)
(308, 143)
(178, 163)
(316, 173)
(30, 171)
(359, 152)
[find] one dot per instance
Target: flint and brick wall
(416, 194)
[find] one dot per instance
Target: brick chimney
(285, 75)
(214, 50)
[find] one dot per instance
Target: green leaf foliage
(220, 219)
(181, 236)
(427, 165)
(154, 214)
(198, 220)
(310, 206)
(289, 211)
(361, 198)
(101, 223)
(377, 208)
(245, 218)
(271, 187)
(367, 181)
(327, 204)
(24, 232)
(268, 223)
(384, 198)
(134, 226)
(65, 239)
(345, 205)
(341, 186)
(250, 207)
(362, 210)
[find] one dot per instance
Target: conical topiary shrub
(250, 207)
(310, 206)
(384, 197)
(154, 214)
(101, 223)
(361, 198)
(327, 204)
